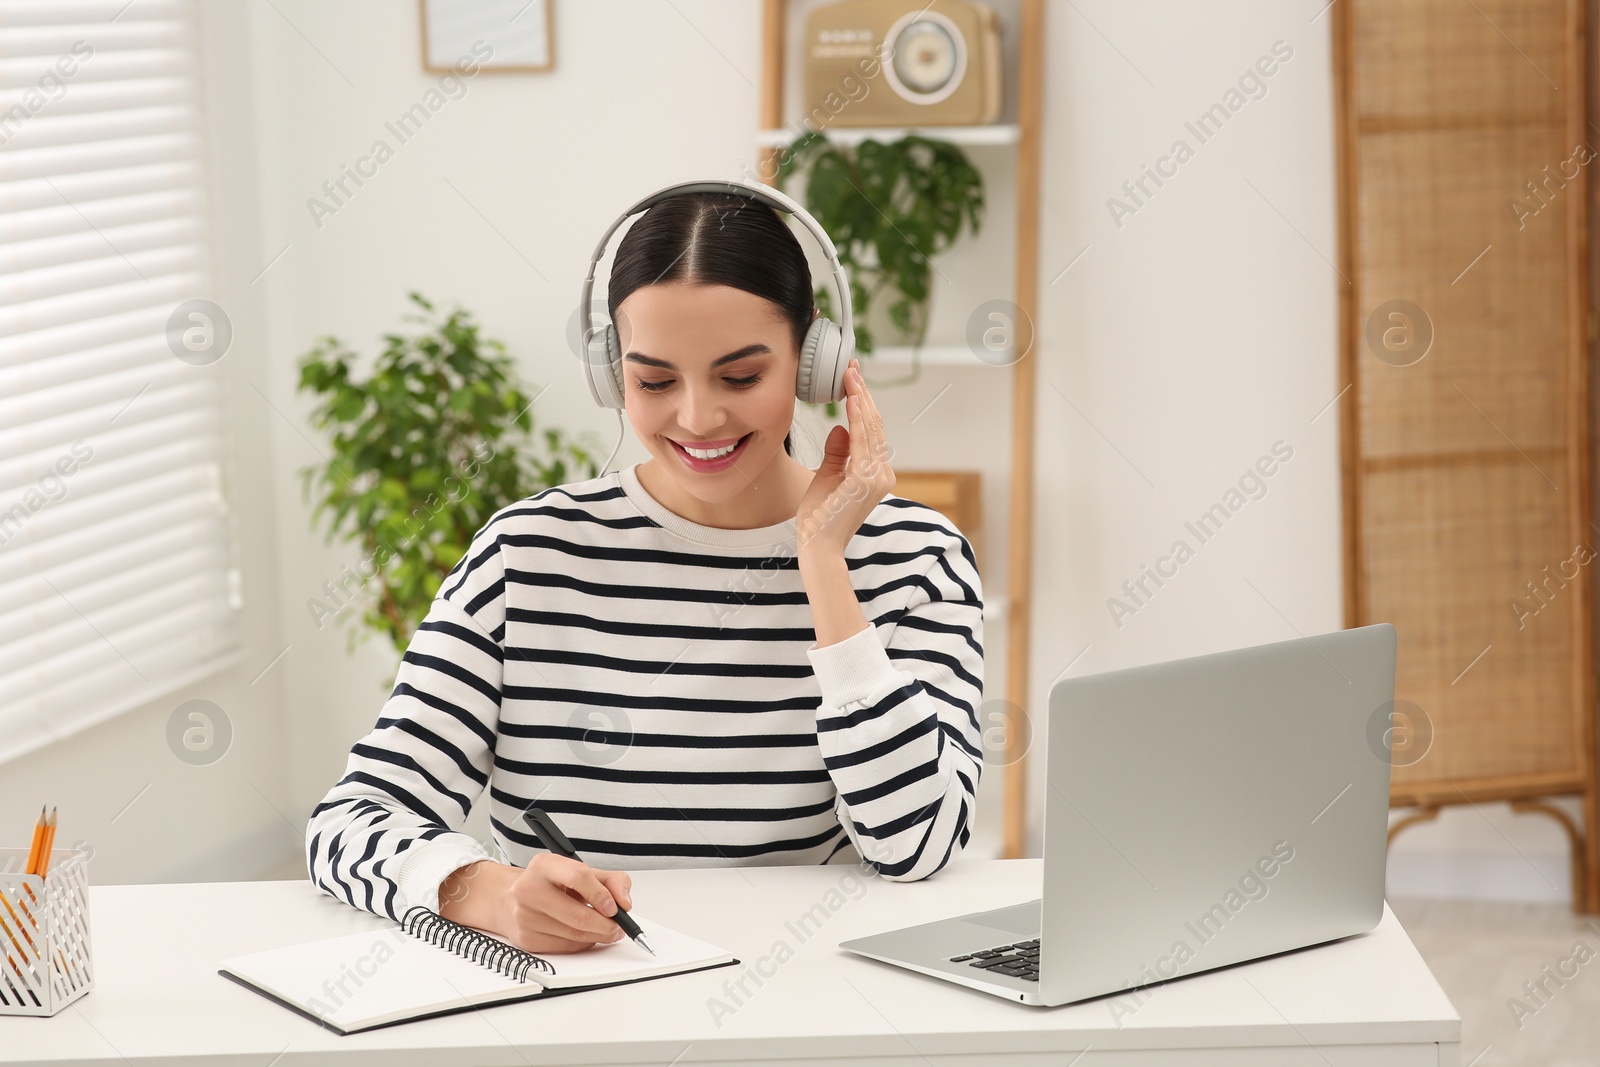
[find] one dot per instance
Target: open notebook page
(358, 981)
(623, 960)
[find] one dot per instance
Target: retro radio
(894, 63)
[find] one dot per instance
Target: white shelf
(964, 135)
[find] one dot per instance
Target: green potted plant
(438, 437)
(888, 208)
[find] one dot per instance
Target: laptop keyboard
(1020, 960)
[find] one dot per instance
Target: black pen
(556, 841)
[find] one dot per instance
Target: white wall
(1183, 343)
(1189, 339)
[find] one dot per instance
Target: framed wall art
(517, 35)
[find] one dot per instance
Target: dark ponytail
(717, 239)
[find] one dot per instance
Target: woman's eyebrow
(756, 349)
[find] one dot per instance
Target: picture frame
(520, 32)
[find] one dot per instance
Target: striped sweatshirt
(655, 686)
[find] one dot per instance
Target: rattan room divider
(1465, 149)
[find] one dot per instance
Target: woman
(784, 664)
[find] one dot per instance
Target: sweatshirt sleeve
(898, 723)
(390, 830)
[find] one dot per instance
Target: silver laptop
(1199, 813)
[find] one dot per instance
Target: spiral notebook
(429, 965)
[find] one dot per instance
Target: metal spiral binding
(471, 944)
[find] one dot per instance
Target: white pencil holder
(47, 962)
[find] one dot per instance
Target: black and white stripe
(653, 685)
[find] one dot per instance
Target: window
(117, 580)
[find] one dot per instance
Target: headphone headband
(750, 191)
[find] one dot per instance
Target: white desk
(159, 1000)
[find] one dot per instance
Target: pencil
(19, 922)
(12, 959)
(20, 973)
(49, 844)
(13, 938)
(38, 839)
(41, 867)
(41, 832)
(33, 854)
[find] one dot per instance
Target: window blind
(117, 577)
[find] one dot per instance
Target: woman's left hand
(841, 497)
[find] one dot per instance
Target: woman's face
(680, 387)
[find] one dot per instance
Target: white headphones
(824, 356)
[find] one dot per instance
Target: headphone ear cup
(822, 363)
(602, 364)
(614, 363)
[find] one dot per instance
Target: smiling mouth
(736, 442)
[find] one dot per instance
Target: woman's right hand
(557, 904)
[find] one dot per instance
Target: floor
(1491, 958)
